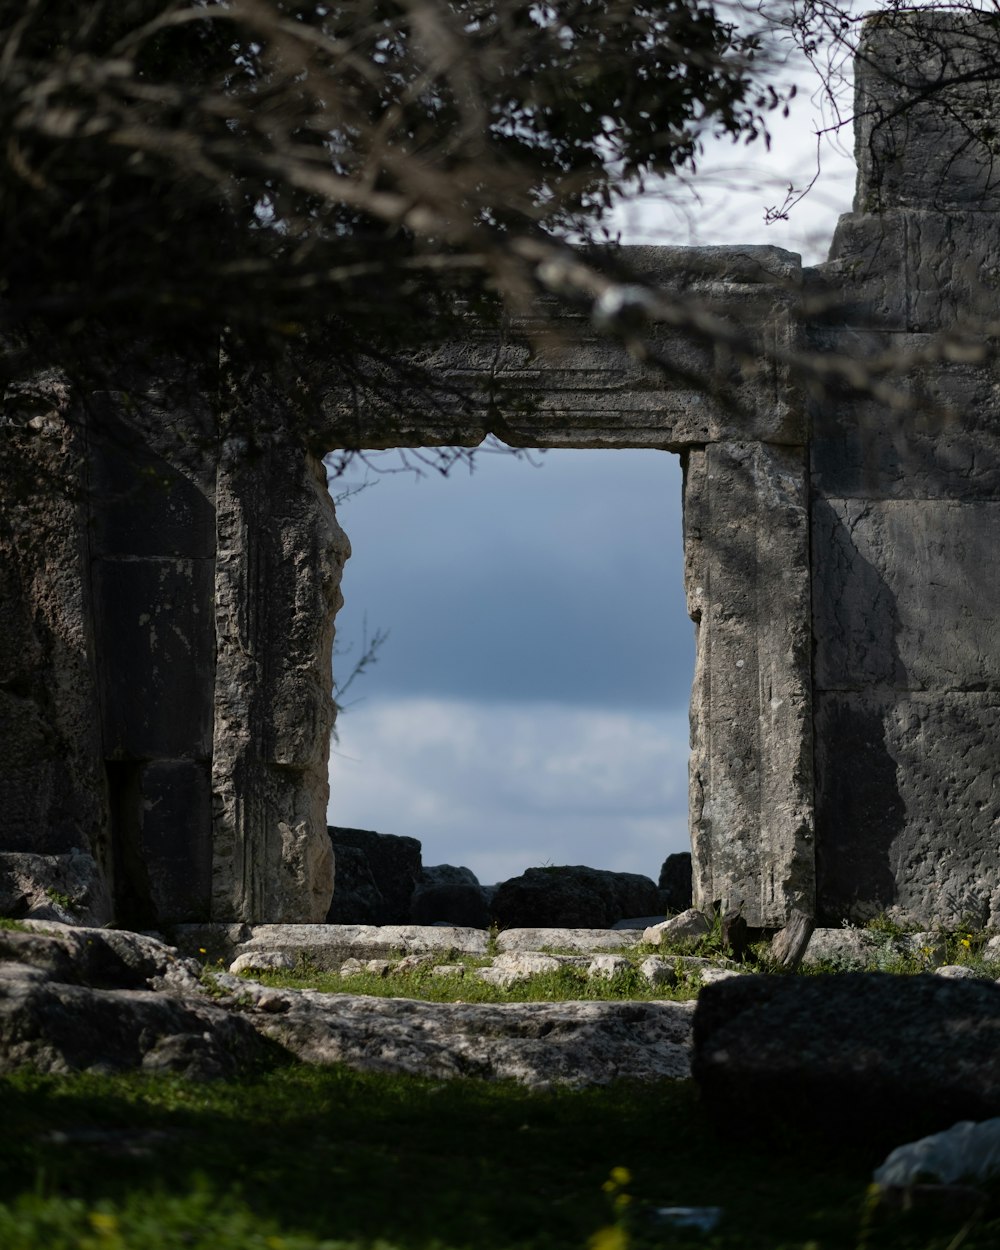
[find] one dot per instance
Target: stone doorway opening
(531, 703)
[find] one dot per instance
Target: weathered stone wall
(906, 501)
(165, 656)
(52, 795)
(168, 585)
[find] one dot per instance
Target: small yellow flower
(202, 951)
(966, 942)
(622, 1201)
(104, 1223)
(621, 1176)
(611, 1237)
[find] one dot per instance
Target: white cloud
(504, 787)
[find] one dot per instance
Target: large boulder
(446, 894)
(376, 874)
(356, 896)
(573, 897)
(75, 999)
(864, 1056)
(675, 882)
(69, 888)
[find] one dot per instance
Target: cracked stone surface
(107, 1000)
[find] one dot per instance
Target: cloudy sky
(530, 703)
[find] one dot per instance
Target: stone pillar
(280, 557)
(53, 808)
(746, 537)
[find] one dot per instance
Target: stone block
(747, 580)
(394, 867)
(688, 926)
(943, 444)
(927, 108)
(906, 808)
(356, 896)
(328, 945)
(583, 940)
(156, 651)
(173, 856)
(906, 594)
(452, 895)
(857, 1056)
(675, 882)
(148, 505)
(513, 966)
(571, 896)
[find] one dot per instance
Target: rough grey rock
(966, 1151)
(328, 945)
(711, 976)
(583, 940)
(659, 971)
(262, 959)
(413, 963)
(538, 1044)
(106, 958)
(69, 888)
(689, 925)
(514, 966)
(859, 1055)
(572, 896)
(607, 967)
(394, 865)
(991, 950)
(450, 894)
(75, 999)
(701, 964)
(958, 972)
(675, 882)
(356, 897)
(848, 949)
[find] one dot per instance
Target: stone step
(328, 945)
(584, 941)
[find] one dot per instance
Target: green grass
(565, 984)
(299, 1158)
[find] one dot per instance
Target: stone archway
(165, 684)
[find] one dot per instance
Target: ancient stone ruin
(166, 612)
